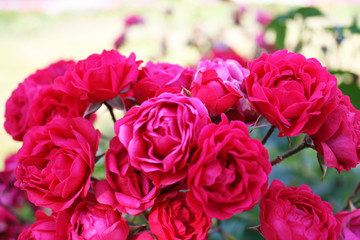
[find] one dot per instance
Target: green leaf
(279, 26)
(306, 12)
(353, 91)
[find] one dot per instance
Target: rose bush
(296, 213)
(160, 135)
(56, 161)
(293, 93)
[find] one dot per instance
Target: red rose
(350, 224)
(293, 93)
(217, 84)
(100, 77)
(229, 172)
(160, 134)
(43, 229)
(56, 161)
(172, 218)
(125, 188)
(289, 213)
(17, 111)
(50, 103)
(338, 139)
(156, 76)
(88, 220)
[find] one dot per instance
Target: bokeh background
(36, 33)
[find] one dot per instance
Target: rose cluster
(182, 153)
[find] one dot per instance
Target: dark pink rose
(51, 102)
(100, 77)
(88, 220)
(350, 224)
(56, 161)
(293, 93)
(120, 40)
(160, 135)
(229, 172)
(338, 139)
(43, 229)
(17, 111)
(156, 76)
(125, 188)
(217, 84)
(172, 218)
(289, 213)
(146, 235)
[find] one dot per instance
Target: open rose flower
(100, 77)
(43, 228)
(88, 220)
(17, 111)
(172, 218)
(50, 103)
(289, 213)
(338, 139)
(157, 76)
(350, 224)
(56, 161)
(217, 84)
(293, 93)
(160, 134)
(229, 172)
(125, 188)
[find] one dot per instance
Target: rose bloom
(100, 77)
(56, 161)
(125, 188)
(172, 218)
(217, 84)
(88, 220)
(51, 102)
(145, 235)
(229, 172)
(296, 213)
(160, 135)
(156, 76)
(221, 50)
(350, 224)
(43, 228)
(338, 139)
(17, 111)
(293, 93)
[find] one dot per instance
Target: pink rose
(17, 111)
(221, 50)
(229, 172)
(217, 84)
(43, 229)
(125, 188)
(134, 19)
(145, 235)
(50, 103)
(293, 93)
(172, 218)
(160, 135)
(263, 18)
(56, 161)
(100, 77)
(289, 213)
(157, 76)
(350, 224)
(88, 220)
(338, 139)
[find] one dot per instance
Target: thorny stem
(268, 134)
(307, 142)
(110, 108)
